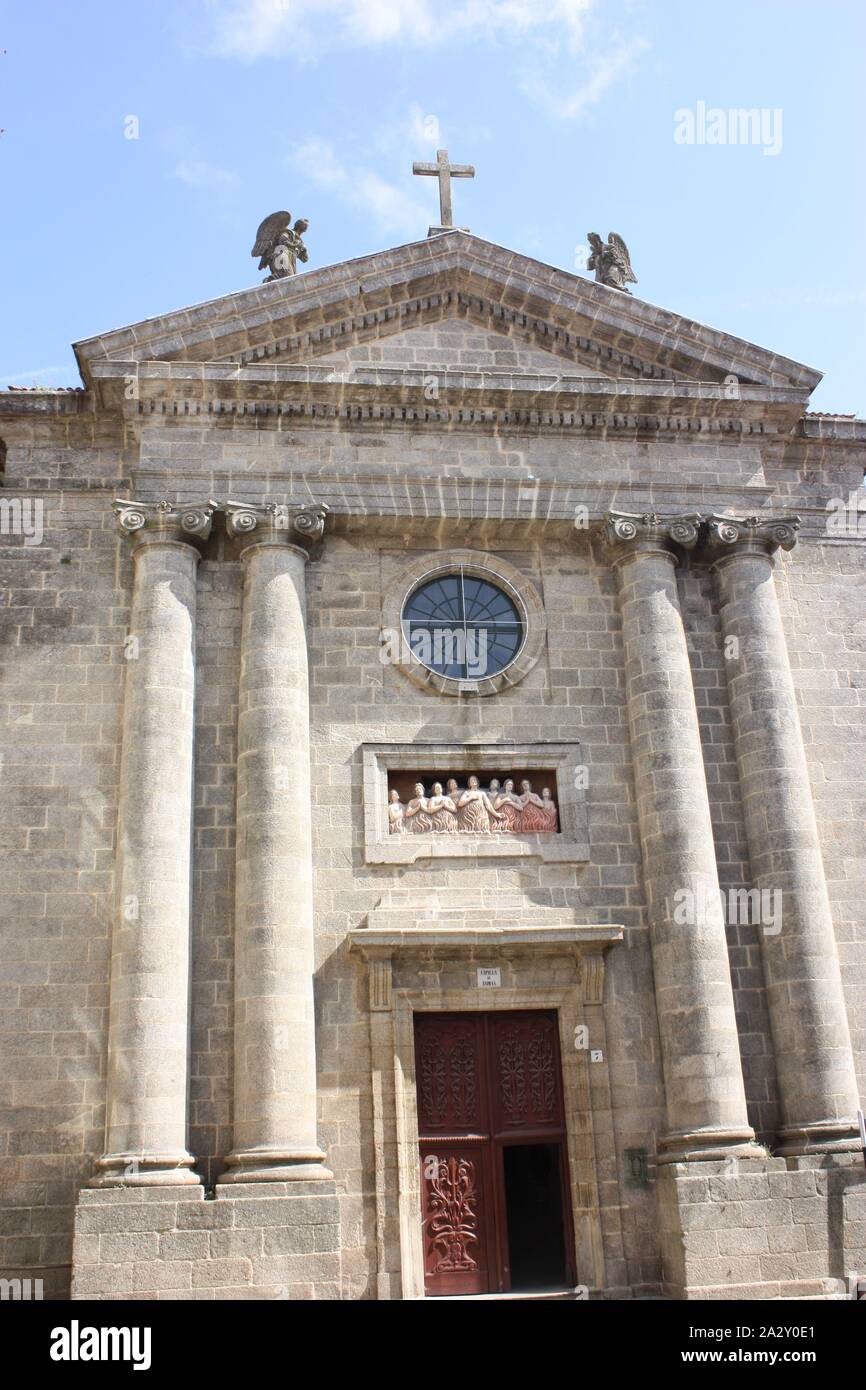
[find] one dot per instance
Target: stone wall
(774, 1229)
(263, 1241)
(64, 620)
(824, 603)
(64, 613)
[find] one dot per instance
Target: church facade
(432, 801)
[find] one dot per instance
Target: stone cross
(444, 172)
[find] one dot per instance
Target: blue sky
(567, 108)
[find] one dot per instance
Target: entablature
(443, 397)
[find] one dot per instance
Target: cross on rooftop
(444, 172)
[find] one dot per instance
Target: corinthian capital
(163, 520)
(628, 532)
(750, 535)
(276, 521)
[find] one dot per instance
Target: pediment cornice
(480, 310)
(294, 316)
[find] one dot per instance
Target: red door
(486, 1084)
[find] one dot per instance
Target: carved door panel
(452, 1092)
(484, 1083)
(528, 1093)
(454, 1142)
(456, 1216)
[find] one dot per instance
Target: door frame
(493, 1146)
(426, 961)
(587, 1256)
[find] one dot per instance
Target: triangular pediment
(322, 315)
(469, 344)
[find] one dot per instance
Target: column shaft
(808, 1018)
(705, 1096)
(146, 1120)
(275, 1061)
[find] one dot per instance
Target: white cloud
(394, 209)
(197, 173)
(251, 29)
(188, 165)
(551, 37)
(423, 127)
(569, 104)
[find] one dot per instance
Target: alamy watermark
(847, 516)
(732, 125)
(437, 648)
(77, 1343)
(21, 1290)
(22, 516)
(757, 907)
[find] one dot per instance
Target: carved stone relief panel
(522, 803)
(454, 800)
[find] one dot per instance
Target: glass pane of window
(462, 626)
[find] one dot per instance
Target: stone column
(705, 1096)
(275, 1135)
(148, 1030)
(808, 1019)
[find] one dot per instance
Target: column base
(276, 1165)
(711, 1143)
(265, 1241)
(145, 1170)
(819, 1137)
(766, 1230)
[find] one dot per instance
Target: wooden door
(484, 1082)
(457, 1198)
